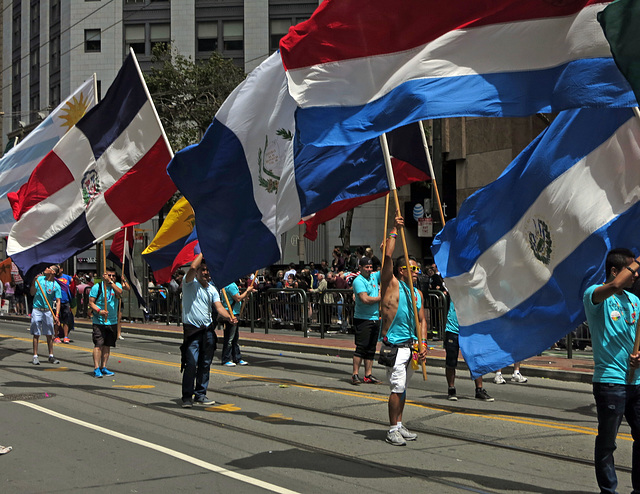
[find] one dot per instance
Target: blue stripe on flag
(74, 238)
(233, 238)
(22, 157)
(325, 175)
(163, 257)
(495, 95)
(103, 126)
(580, 136)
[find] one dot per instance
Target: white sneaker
(518, 378)
(408, 436)
(395, 438)
(499, 379)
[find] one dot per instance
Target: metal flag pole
(431, 172)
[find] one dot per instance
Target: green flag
(620, 21)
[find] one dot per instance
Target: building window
(54, 53)
(35, 20)
(207, 33)
(54, 8)
(54, 95)
(134, 38)
(159, 33)
(233, 35)
(277, 29)
(16, 31)
(16, 75)
(92, 40)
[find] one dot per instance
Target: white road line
(161, 449)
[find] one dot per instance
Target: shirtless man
(399, 331)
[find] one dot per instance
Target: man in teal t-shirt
(46, 298)
(231, 355)
(104, 300)
(612, 314)
(366, 320)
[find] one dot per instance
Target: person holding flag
(67, 291)
(45, 291)
(612, 313)
(231, 355)
(104, 300)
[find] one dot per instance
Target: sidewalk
(552, 364)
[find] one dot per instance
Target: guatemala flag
(107, 171)
(250, 180)
(358, 68)
(522, 250)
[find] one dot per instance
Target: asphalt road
(288, 422)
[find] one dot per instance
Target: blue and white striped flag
(523, 249)
(17, 165)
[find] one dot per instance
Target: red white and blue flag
(358, 68)
(107, 171)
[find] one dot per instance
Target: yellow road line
(504, 418)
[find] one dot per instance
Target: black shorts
(66, 316)
(105, 334)
(366, 338)
(452, 348)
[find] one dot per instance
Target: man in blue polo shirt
(366, 320)
(612, 313)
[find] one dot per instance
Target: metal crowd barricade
(335, 309)
(436, 307)
(286, 308)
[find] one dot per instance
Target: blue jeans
(198, 356)
(230, 346)
(613, 401)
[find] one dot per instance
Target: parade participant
(452, 349)
(104, 299)
(366, 320)
(517, 377)
(46, 298)
(198, 299)
(612, 313)
(231, 355)
(68, 291)
(399, 331)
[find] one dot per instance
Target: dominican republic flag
(358, 68)
(122, 250)
(107, 171)
(522, 250)
(255, 181)
(175, 244)
(18, 163)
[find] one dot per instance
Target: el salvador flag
(522, 250)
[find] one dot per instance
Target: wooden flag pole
(44, 294)
(384, 232)
(226, 299)
(433, 174)
(392, 187)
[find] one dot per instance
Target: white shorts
(401, 372)
(41, 323)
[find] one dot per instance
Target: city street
(288, 422)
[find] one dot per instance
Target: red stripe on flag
(49, 176)
(185, 256)
(404, 174)
(144, 189)
(348, 29)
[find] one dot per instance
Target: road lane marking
(354, 394)
(161, 449)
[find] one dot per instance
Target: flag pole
(636, 344)
(226, 299)
(431, 172)
(153, 107)
(104, 283)
(386, 223)
(392, 187)
(45, 297)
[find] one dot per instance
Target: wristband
(633, 271)
(393, 235)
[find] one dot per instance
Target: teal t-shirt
(98, 292)
(232, 290)
(51, 288)
(612, 324)
(371, 287)
(452, 320)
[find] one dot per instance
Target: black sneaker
(481, 394)
(355, 380)
(452, 394)
(187, 404)
(371, 380)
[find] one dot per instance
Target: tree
(188, 93)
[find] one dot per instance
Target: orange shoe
(56, 340)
